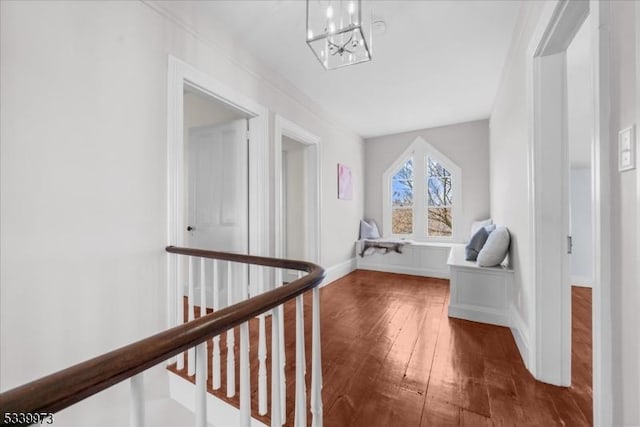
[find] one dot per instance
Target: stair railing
(69, 386)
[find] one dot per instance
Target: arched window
(422, 195)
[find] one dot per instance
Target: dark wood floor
(392, 357)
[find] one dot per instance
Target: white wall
(509, 131)
(83, 173)
(509, 143)
(466, 144)
(625, 296)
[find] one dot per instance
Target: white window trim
(420, 149)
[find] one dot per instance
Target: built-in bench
(478, 293)
(417, 258)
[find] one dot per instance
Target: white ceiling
(438, 63)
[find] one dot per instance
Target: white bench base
(480, 294)
(417, 258)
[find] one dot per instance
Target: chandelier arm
(348, 41)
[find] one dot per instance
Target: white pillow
(496, 248)
(369, 229)
(479, 224)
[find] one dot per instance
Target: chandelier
(335, 32)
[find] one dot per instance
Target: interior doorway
(550, 349)
(218, 176)
(216, 170)
(294, 214)
(580, 110)
(297, 204)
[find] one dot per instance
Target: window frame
(421, 150)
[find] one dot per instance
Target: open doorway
(218, 176)
(297, 204)
(216, 172)
(551, 349)
(294, 215)
(580, 110)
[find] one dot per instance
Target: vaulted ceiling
(437, 63)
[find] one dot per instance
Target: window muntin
(439, 199)
(402, 199)
(422, 195)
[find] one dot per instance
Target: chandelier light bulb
(309, 34)
(352, 8)
(332, 27)
(330, 12)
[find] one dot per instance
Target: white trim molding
(520, 333)
(313, 190)
(338, 271)
(582, 281)
(637, 142)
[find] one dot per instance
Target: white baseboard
(520, 333)
(399, 269)
(219, 412)
(478, 314)
(582, 281)
(337, 271)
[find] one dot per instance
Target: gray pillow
(369, 229)
(478, 224)
(475, 244)
(496, 248)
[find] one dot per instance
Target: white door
(218, 187)
(218, 201)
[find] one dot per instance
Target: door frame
(550, 351)
(179, 74)
(637, 133)
(284, 127)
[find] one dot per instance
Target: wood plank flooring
(392, 357)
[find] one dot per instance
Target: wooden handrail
(69, 386)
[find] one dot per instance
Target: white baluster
(203, 288)
(231, 358)
(215, 356)
(201, 384)
(277, 419)
(180, 305)
(262, 354)
(245, 380)
(316, 363)
(191, 353)
(301, 388)
(283, 362)
(304, 350)
(136, 411)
